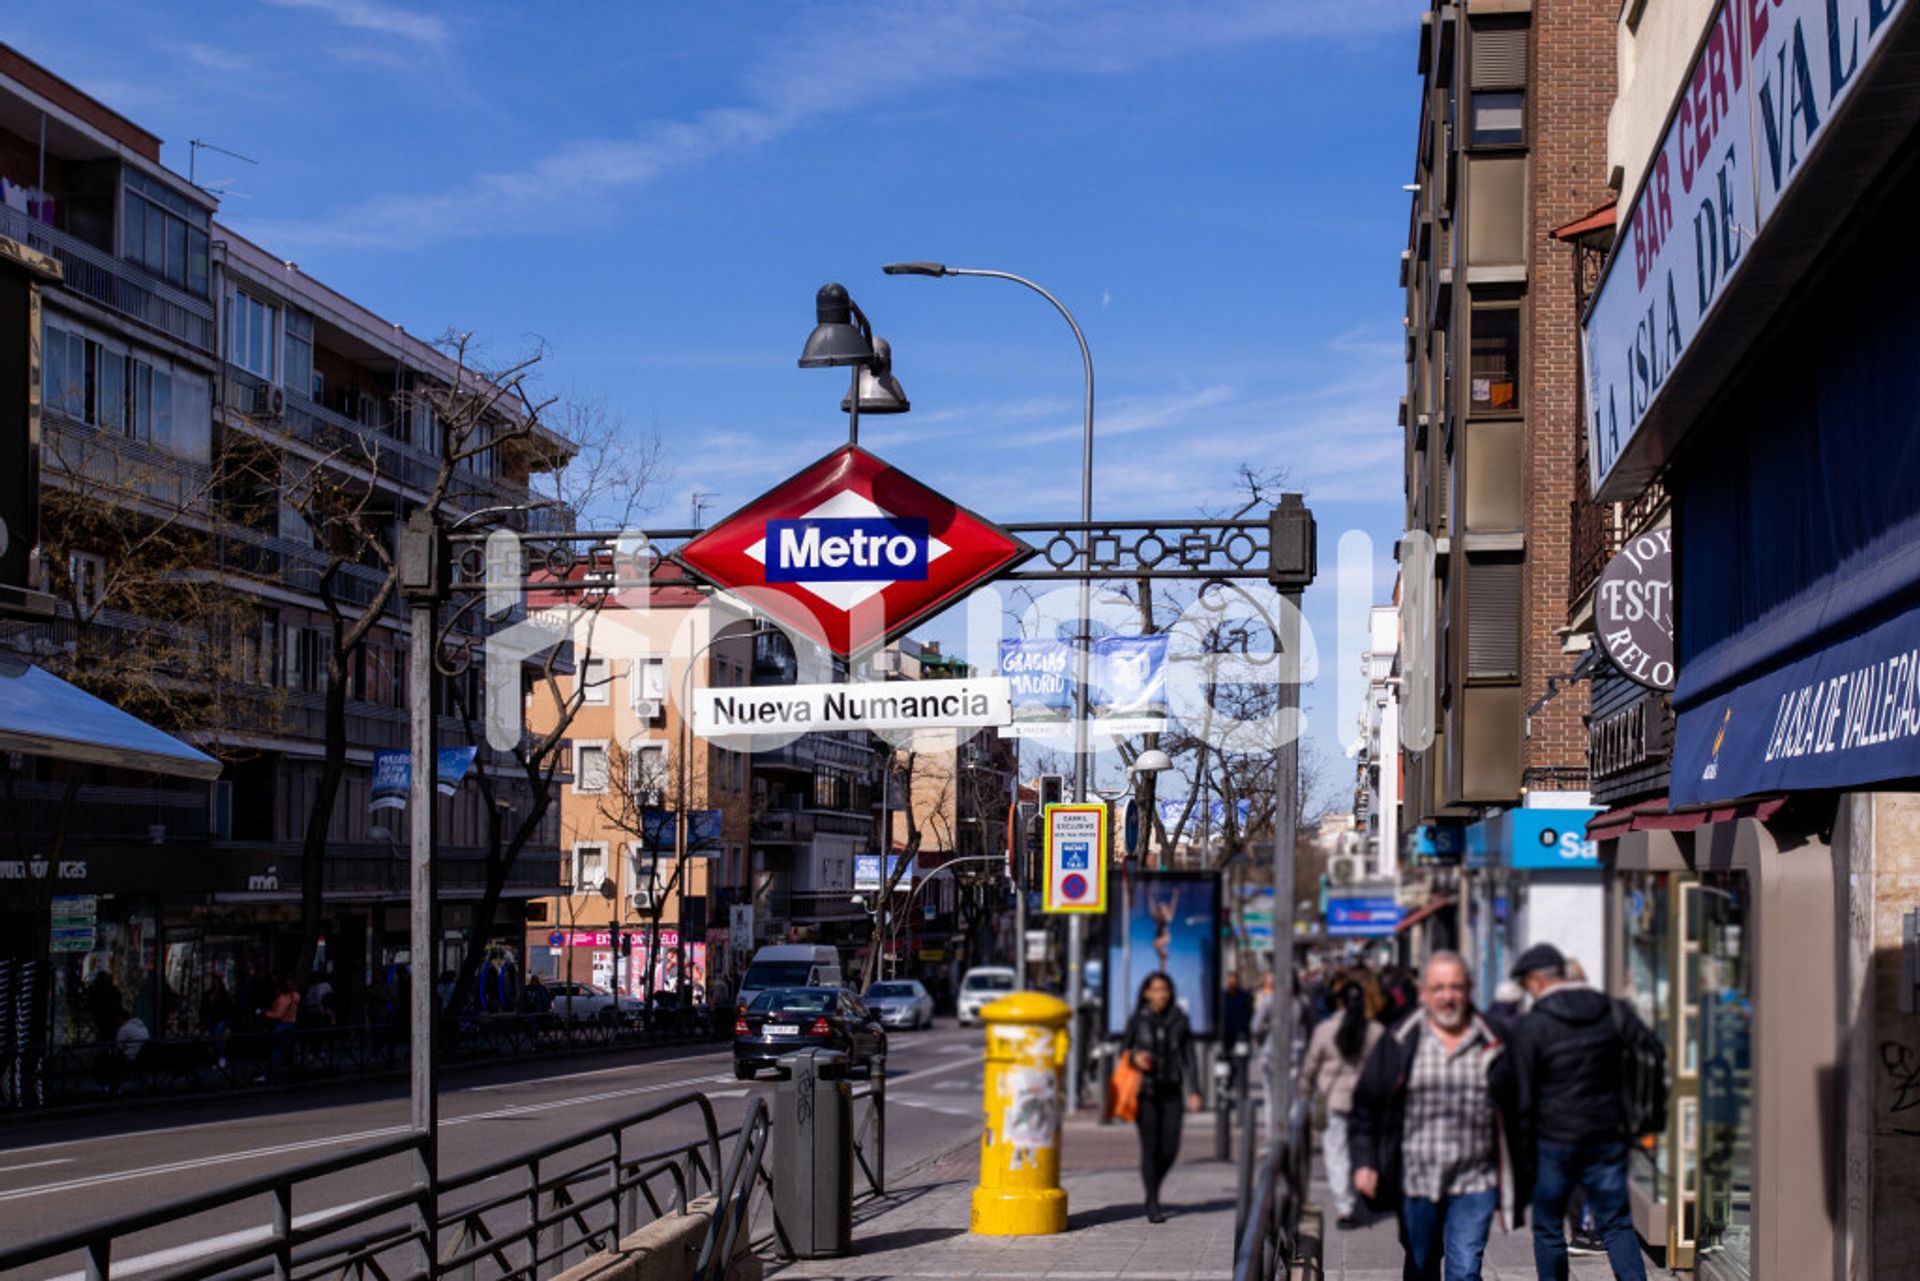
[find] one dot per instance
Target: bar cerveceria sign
(1633, 609)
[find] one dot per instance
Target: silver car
(901, 1003)
(983, 985)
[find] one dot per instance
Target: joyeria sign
(852, 552)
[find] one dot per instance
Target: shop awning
(1654, 816)
(1414, 918)
(42, 715)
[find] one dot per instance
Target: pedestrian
(1335, 1054)
(1427, 1134)
(1569, 1062)
(216, 1017)
(1504, 1013)
(1159, 1043)
(282, 1015)
(1236, 1013)
(1262, 1033)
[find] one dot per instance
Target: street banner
(1076, 854)
(1212, 814)
(734, 711)
(1040, 674)
(393, 776)
(659, 832)
(1166, 923)
(1130, 684)
(866, 871)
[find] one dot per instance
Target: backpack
(1643, 1073)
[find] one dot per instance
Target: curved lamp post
(1076, 928)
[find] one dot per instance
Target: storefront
(1529, 876)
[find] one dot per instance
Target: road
(59, 1174)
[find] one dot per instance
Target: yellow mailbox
(1019, 1192)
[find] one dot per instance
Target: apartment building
(1749, 451)
(1376, 754)
(191, 382)
(1510, 145)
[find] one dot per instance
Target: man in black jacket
(1428, 1131)
(1568, 1059)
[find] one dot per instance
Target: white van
(789, 965)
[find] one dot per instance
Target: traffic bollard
(1019, 1193)
(813, 1155)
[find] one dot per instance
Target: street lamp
(1076, 928)
(842, 336)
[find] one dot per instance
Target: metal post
(1286, 821)
(424, 892)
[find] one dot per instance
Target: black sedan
(783, 1020)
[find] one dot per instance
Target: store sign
(1439, 843)
(1552, 840)
(871, 705)
(1760, 94)
(1076, 856)
(1629, 739)
(1362, 917)
(1633, 609)
(1844, 716)
(852, 552)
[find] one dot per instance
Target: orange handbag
(1123, 1090)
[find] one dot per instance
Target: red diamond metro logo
(852, 552)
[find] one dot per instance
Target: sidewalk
(921, 1229)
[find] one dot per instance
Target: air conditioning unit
(643, 900)
(1344, 869)
(269, 401)
(647, 709)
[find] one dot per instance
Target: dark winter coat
(1567, 1060)
(1379, 1115)
(1168, 1037)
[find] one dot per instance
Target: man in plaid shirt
(1428, 1132)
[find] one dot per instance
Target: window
(647, 773)
(1491, 726)
(299, 354)
(1494, 370)
(1500, 118)
(306, 659)
(589, 868)
(164, 232)
(1493, 618)
(1496, 210)
(643, 872)
(648, 676)
(252, 329)
(595, 680)
(67, 374)
(590, 768)
(1495, 499)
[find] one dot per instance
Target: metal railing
(95, 274)
(1267, 1237)
(526, 1216)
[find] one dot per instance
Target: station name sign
(1762, 89)
(872, 705)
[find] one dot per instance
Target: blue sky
(655, 191)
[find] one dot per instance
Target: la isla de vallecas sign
(1760, 94)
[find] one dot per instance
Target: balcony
(787, 826)
(119, 286)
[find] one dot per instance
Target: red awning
(1599, 220)
(1414, 918)
(1654, 816)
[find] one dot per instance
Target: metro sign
(852, 552)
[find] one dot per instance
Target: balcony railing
(99, 277)
(135, 814)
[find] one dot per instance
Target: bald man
(1427, 1133)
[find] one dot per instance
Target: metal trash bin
(813, 1155)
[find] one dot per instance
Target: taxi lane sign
(852, 552)
(1076, 850)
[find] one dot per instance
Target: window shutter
(1498, 57)
(1493, 618)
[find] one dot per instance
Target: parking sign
(1076, 851)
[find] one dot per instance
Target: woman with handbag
(1335, 1053)
(1159, 1046)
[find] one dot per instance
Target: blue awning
(42, 715)
(1845, 716)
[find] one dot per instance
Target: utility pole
(425, 579)
(1293, 562)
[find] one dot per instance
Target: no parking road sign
(1076, 849)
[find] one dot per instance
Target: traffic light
(1053, 789)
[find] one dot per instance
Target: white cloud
(209, 57)
(903, 48)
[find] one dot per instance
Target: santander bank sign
(852, 552)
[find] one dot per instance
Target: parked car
(901, 1003)
(787, 1019)
(591, 1003)
(788, 965)
(983, 985)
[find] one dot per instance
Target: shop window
(1721, 983)
(1494, 360)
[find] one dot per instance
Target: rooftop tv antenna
(195, 147)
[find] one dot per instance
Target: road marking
(35, 1165)
(726, 1094)
(575, 1076)
(153, 1262)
